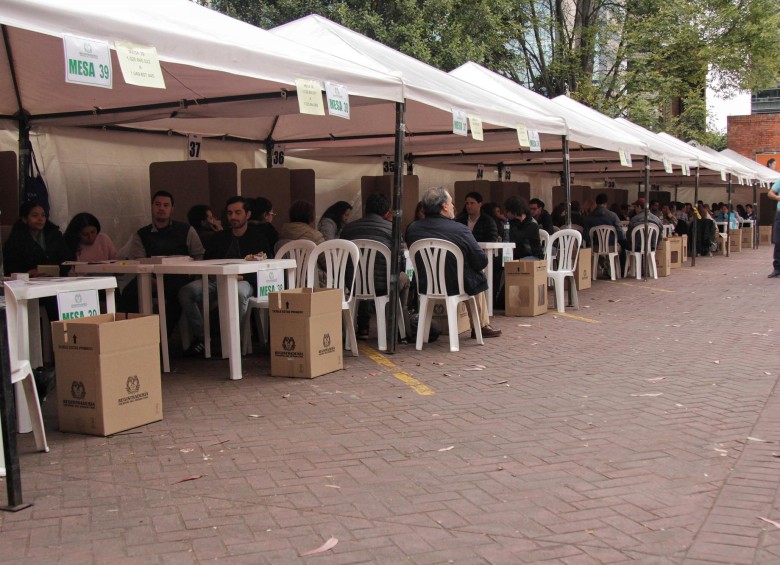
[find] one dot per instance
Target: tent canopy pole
(396, 252)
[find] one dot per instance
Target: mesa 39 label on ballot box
(78, 304)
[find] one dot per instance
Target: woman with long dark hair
(86, 241)
(34, 241)
(334, 219)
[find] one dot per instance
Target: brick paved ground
(643, 427)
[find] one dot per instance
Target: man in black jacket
(164, 236)
(241, 240)
(439, 212)
(376, 225)
(541, 215)
(481, 225)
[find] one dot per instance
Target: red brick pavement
(619, 432)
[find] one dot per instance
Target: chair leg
(423, 320)
(246, 332)
(574, 300)
(34, 408)
(559, 295)
(452, 324)
(613, 267)
(381, 322)
(400, 320)
(349, 328)
(593, 270)
(264, 326)
(471, 306)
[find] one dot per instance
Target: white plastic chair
(299, 250)
(433, 254)
(634, 258)
(365, 287)
(337, 253)
(567, 242)
(603, 240)
(668, 230)
(545, 238)
(22, 373)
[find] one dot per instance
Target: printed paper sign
(409, 267)
(522, 136)
(140, 65)
(723, 175)
(668, 166)
(686, 169)
(277, 156)
(78, 304)
(193, 147)
(338, 99)
(87, 61)
(507, 173)
(459, 124)
(506, 255)
(534, 143)
(271, 280)
(388, 166)
(625, 158)
(480, 171)
(476, 128)
(309, 97)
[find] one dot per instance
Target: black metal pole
(694, 223)
(755, 214)
(13, 479)
(645, 254)
(566, 178)
(24, 154)
(396, 251)
(728, 223)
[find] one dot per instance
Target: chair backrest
(638, 237)
(545, 237)
(577, 227)
(668, 230)
(12, 331)
(433, 257)
(337, 254)
(568, 244)
(603, 239)
(365, 286)
(298, 249)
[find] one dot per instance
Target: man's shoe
(487, 331)
(774, 274)
(362, 333)
(197, 349)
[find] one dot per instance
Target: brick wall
(756, 136)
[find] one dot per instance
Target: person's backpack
(34, 186)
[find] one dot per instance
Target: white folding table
(142, 270)
(491, 249)
(227, 272)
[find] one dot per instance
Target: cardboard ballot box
(525, 283)
(439, 317)
(305, 332)
(735, 240)
(663, 258)
(108, 373)
(765, 235)
(675, 251)
(747, 237)
(684, 248)
(583, 273)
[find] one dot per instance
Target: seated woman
(334, 219)
(34, 241)
(300, 225)
(523, 230)
(263, 216)
(86, 241)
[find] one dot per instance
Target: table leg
(489, 274)
(110, 301)
(206, 316)
(227, 288)
(163, 323)
(145, 293)
(18, 321)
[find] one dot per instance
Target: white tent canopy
(205, 57)
(581, 130)
(763, 174)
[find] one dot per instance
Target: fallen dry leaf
(767, 520)
(750, 438)
(330, 544)
(716, 362)
(447, 448)
(649, 394)
(655, 379)
(254, 416)
(285, 396)
(193, 478)
(500, 383)
(333, 486)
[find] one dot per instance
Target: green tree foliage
(647, 60)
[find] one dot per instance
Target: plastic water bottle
(506, 230)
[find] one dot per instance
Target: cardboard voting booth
(525, 284)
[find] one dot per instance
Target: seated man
(438, 223)
(602, 216)
(376, 225)
(726, 216)
(240, 240)
(637, 221)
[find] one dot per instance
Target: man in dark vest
(164, 236)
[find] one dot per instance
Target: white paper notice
(459, 124)
(723, 175)
(338, 99)
(686, 169)
(668, 166)
(87, 61)
(625, 158)
(309, 97)
(277, 157)
(193, 147)
(522, 136)
(476, 128)
(140, 65)
(534, 143)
